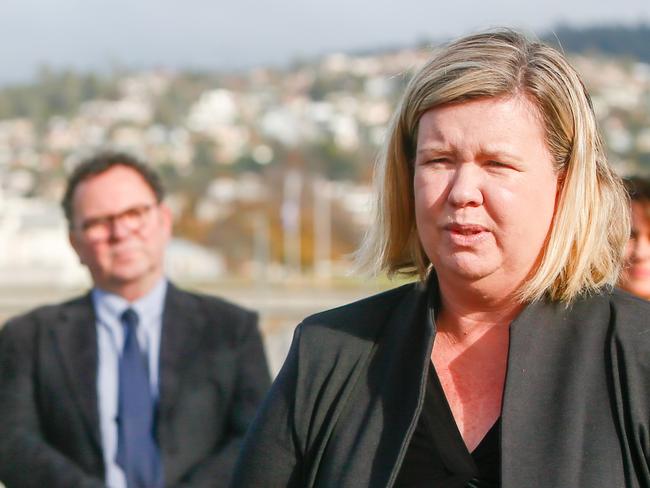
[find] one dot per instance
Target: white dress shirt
(110, 342)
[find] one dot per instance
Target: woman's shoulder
(613, 306)
(622, 317)
(621, 299)
(630, 317)
(611, 315)
(363, 319)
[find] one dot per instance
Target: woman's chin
(469, 270)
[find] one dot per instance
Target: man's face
(119, 231)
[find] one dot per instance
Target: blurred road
(281, 307)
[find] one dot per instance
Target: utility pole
(291, 220)
(261, 242)
(322, 229)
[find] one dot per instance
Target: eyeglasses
(97, 229)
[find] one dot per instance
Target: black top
(437, 456)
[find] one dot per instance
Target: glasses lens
(97, 231)
(131, 219)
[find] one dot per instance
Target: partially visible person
(635, 277)
(137, 384)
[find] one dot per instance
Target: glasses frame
(97, 229)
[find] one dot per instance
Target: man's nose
(119, 229)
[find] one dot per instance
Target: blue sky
(96, 34)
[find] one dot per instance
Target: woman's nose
(466, 186)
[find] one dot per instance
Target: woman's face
(485, 191)
(636, 273)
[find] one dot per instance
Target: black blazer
(576, 407)
(213, 375)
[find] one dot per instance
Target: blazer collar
(182, 324)
(75, 336)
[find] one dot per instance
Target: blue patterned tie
(137, 452)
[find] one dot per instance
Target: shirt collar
(109, 306)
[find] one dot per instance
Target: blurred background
(264, 119)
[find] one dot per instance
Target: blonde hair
(591, 225)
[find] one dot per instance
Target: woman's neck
(464, 314)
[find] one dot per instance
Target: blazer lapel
(392, 370)
(75, 336)
(408, 339)
(181, 335)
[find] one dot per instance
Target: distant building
(34, 250)
(188, 262)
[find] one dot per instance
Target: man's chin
(129, 276)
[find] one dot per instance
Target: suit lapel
(75, 336)
(181, 335)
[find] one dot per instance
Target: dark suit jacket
(576, 406)
(213, 375)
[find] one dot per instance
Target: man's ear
(74, 242)
(167, 219)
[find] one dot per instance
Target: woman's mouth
(466, 234)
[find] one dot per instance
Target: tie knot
(130, 318)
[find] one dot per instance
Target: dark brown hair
(638, 188)
(102, 162)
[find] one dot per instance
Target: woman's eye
(497, 164)
(433, 161)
